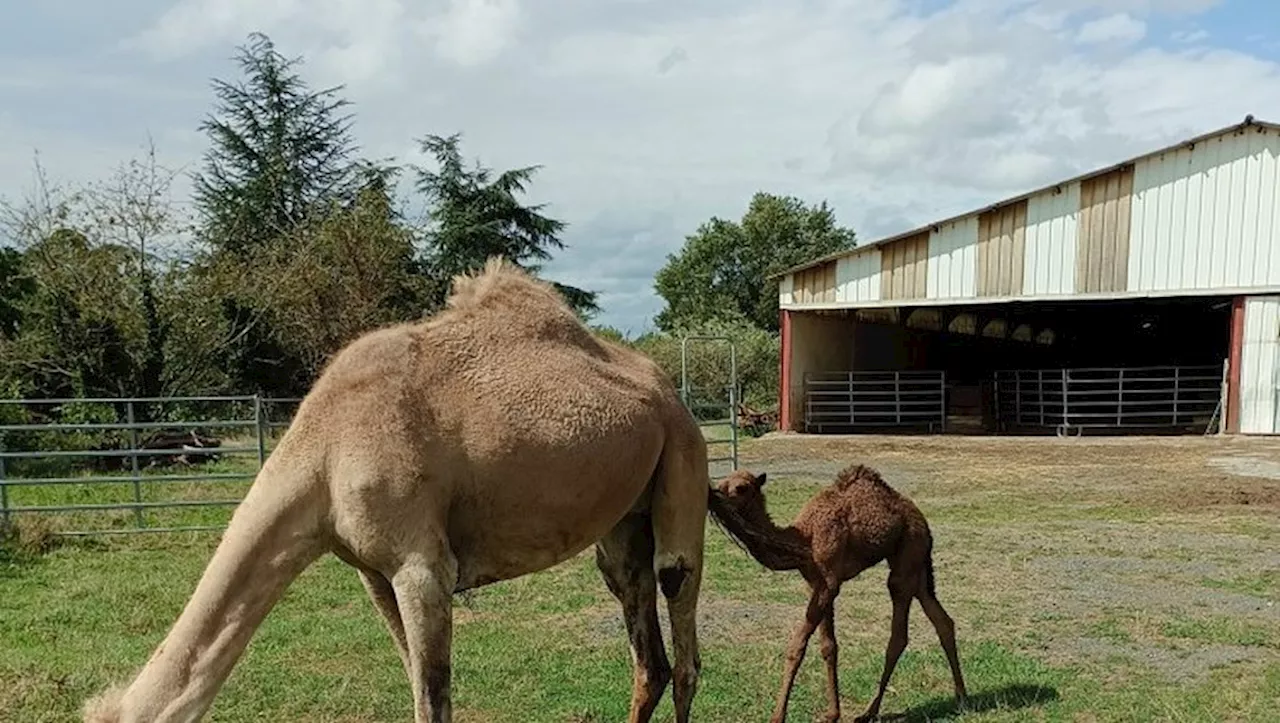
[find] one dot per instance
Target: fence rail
(110, 466)
(115, 477)
(713, 402)
(1108, 397)
(875, 399)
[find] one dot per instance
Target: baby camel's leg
(902, 589)
(945, 627)
(820, 599)
(830, 654)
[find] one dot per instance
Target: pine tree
(278, 152)
(475, 214)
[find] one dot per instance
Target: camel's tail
(274, 534)
(929, 582)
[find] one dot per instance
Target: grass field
(1091, 580)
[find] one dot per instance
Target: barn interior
(1066, 367)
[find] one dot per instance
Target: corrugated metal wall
(816, 285)
(953, 260)
(1051, 242)
(1198, 218)
(1002, 250)
(1102, 234)
(858, 277)
(1259, 365)
(904, 266)
(1208, 216)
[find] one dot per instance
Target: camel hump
(504, 300)
(858, 474)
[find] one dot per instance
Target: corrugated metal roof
(1248, 121)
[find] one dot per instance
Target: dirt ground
(1162, 551)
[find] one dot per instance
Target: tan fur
(498, 438)
(845, 528)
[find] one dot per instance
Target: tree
(279, 151)
(335, 277)
(280, 155)
(721, 272)
(82, 329)
(90, 307)
(473, 215)
(16, 287)
(133, 210)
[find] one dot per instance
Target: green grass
(1265, 584)
(550, 647)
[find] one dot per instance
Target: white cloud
(471, 32)
(1118, 28)
(1189, 36)
(650, 117)
(356, 40)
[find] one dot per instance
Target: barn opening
(1148, 365)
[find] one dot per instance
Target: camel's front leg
(819, 602)
(424, 591)
(384, 599)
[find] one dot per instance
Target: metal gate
(714, 404)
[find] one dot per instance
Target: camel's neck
(775, 547)
(271, 539)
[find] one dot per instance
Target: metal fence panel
(116, 473)
(1108, 397)
(715, 400)
(45, 473)
(853, 399)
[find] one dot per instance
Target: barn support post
(784, 373)
(1232, 411)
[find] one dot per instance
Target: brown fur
(847, 527)
(498, 438)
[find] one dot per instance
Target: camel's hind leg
(945, 627)
(625, 559)
(679, 512)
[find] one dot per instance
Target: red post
(784, 372)
(1234, 356)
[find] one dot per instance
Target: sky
(649, 116)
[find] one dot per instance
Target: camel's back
(506, 362)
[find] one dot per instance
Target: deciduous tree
(721, 272)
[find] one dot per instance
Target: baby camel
(846, 528)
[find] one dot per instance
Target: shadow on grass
(1009, 697)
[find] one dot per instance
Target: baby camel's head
(741, 490)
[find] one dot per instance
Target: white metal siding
(952, 264)
(1209, 216)
(785, 288)
(858, 277)
(1050, 256)
(1259, 362)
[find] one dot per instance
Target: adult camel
(493, 440)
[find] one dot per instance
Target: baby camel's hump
(860, 523)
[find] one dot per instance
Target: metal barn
(1144, 296)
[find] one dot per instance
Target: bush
(710, 364)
